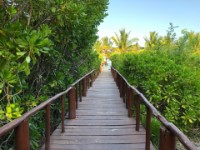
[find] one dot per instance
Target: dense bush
(44, 46)
(171, 86)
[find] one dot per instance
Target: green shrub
(173, 88)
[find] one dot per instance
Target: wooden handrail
(23, 120)
(170, 126)
(77, 81)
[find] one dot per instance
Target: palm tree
(104, 46)
(194, 41)
(153, 42)
(122, 41)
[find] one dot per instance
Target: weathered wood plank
(106, 107)
(103, 101)
(136, 146)
(100, 127)
(97, 139)
(101, 132)
(101, 117)
(100, 122)
(102, 113)
(97, 124)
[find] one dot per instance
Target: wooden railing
(21, 125)
(168, 132)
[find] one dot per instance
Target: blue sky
(142, 16)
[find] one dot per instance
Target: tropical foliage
(168, 74)
(153, 42)
(44, 46)
(104, 46)
(119, 43)
(123, 42)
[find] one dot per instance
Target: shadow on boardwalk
(102, 122)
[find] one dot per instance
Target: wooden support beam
(167, 140)
(22, 136)
(148, 128)
(72, 103)
(63, 113)
(131, 103)
(137, 113)
(47, 128)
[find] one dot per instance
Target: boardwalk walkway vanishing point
(102, 122)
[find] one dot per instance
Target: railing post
(92, 79)
(84, 86)
(88, 82)
(137, 112)
(76, 96)
(80, 91)
(63, 114)
(127, 97)
(118, 81)
(22, 136)
(48, 130)
(167, 140)
(72, 103)
(123, 90)
(130, 103)
(115, 74)
(121, 87)
(126, 94)
(148, 128)
(86, 78)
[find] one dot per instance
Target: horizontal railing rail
(167, 133)
(21, 125)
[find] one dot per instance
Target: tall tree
(104, 46)
(123, 42)
(194, 41)
(153, 42)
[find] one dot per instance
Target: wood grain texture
(102, 122)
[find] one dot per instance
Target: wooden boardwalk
(102, 122)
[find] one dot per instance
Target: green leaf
(53, 9)
(33, 39)
(28, 59)
(44, 42)
(27, 70)
(22, 43)
(20, 53)
(1, 85)
(190, 120)
(8, 109)
(46, 48)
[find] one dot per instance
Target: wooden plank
(100, 98)
(114, 113)
(136, 146)
(100, 132)
(100, 122)
(97, 139)
(101, 117)
(102, 111)
(116, 106)
(105, 106)
(101, 127)
(102, 101)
